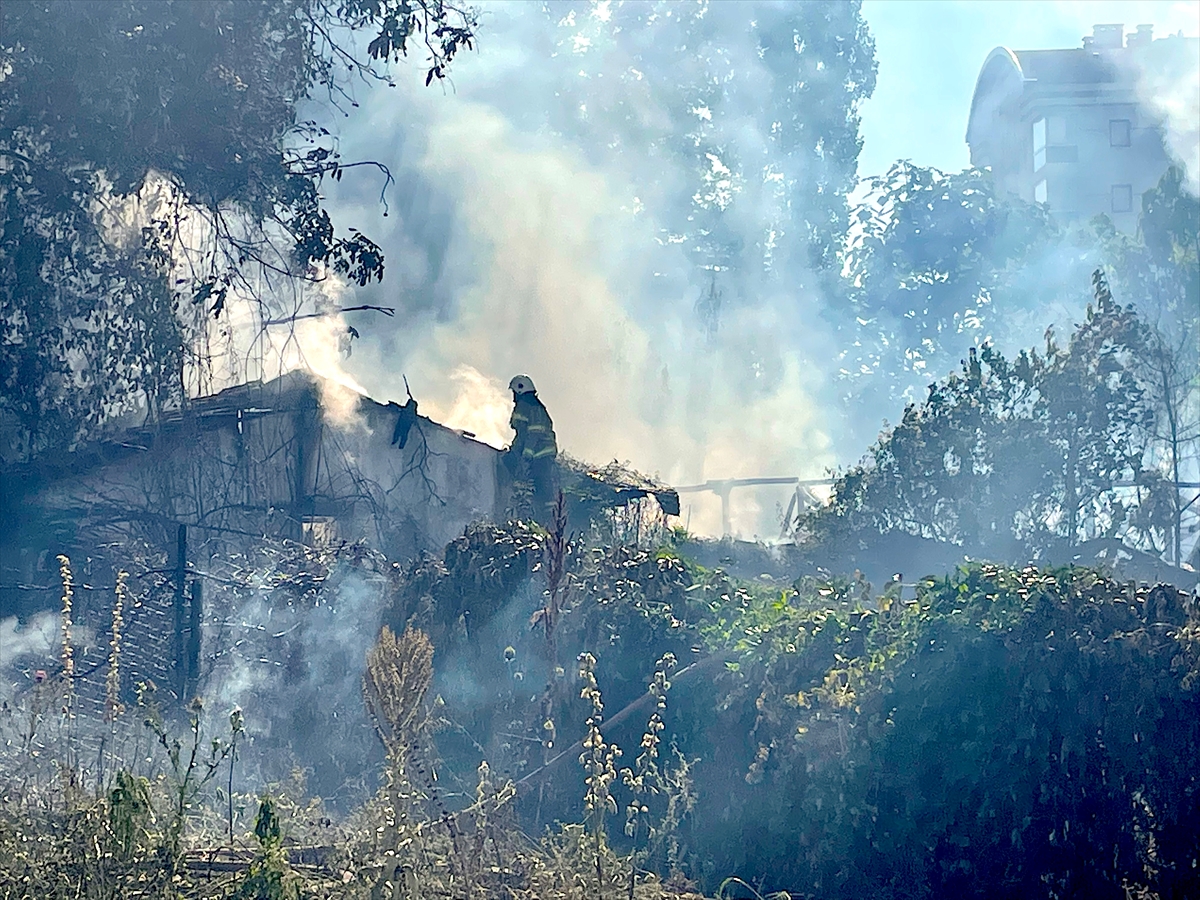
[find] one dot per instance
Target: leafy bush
(1022, 459)
(1021, 731)
(1004, 733)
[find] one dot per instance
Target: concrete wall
(1083, 167)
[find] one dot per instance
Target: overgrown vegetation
(1037, 458)
(1010, 459)
(1016, 730)
(934, 740)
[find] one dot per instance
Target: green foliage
(1003, 732)
(191, 768)
(997, 732)
(1018, 460)
(85, 326)
(933, 249)
(937, 260)
(659, 784)
(1158, 267)
(130, 813)
(1019, 732)
(1160, 270)
(599, 762)
(1170, 227)
(473, 578)
(268, 875)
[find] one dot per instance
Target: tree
(1093, 411)
(936, 260)
(187, 113)
(755, 104)
(1170, 227)
(1018, 460)
(1159, 270)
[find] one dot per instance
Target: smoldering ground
(292, 663)
(295, 669)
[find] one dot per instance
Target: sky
(930, 51)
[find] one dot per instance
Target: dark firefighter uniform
(534, 449)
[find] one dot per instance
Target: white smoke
(295, 669)
(481, 406)
(265, 328)
(518, 249)
(1168, 81)
(25, 646)
(544, 228)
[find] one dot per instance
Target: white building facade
(1071, 128)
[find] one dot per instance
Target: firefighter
(534, 449)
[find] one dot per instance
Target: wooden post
(722, 490)
(192, 656)
(178, 650)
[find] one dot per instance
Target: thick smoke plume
(515, 246)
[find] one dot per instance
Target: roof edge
(1002, 54)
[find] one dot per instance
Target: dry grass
(136, 838)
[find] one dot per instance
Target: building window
(1056, 130)
(1049, 132)
(1039, 192)
(1118, 132)
(1122, 198)
(1062, 153)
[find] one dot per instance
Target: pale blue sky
(930, 53)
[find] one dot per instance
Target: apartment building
(1073, 128)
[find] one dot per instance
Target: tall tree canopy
(1023, 459)
(756, 104)
(936, 261)
(101, 101)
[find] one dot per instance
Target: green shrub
(1004, 733)
(268, 877)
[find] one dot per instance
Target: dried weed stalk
(599, 761)
(399, 672)
(645, 779)
(112, 682)
(68, 764)
(191, 768)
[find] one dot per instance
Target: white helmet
(522, 384)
